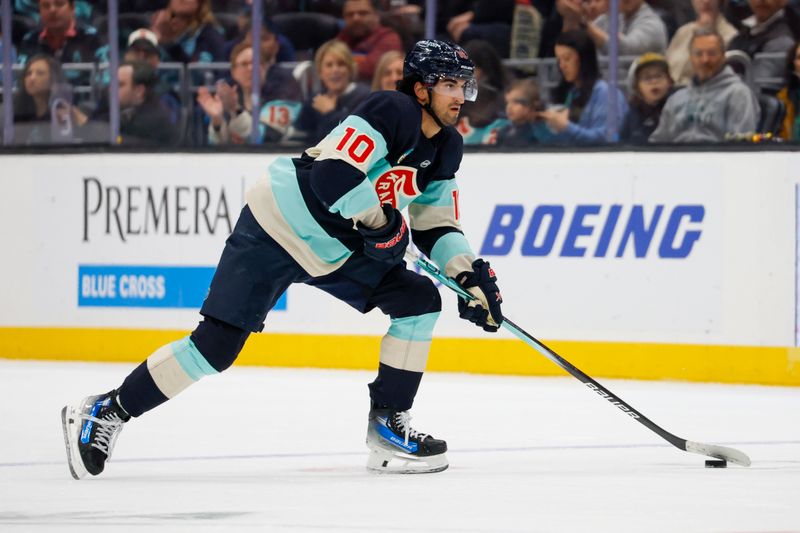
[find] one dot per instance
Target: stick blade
(731, 455)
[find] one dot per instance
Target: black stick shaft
(540, 347)
(594, 385)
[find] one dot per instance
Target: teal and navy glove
(484, 310)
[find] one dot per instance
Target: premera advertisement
(665, 248)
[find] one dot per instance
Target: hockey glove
(484, 310)
(386, 244)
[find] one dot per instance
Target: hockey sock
(394, 389)
(404, 354)
(212, 347)
(164, 374)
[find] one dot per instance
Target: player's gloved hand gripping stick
(483, 309)
(720, 452)
(388, 243)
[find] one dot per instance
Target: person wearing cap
(715, 106)
(709, 15)
(143, 46)
(650, 87)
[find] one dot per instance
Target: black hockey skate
(91, 428)
(396, 448)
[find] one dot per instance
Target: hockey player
(331, 218)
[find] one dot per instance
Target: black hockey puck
(716, 463)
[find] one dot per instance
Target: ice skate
(91, 428)
(396, 448)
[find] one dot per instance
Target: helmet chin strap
(427, 107)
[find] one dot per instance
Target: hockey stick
(712, 450)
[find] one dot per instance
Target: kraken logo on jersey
(395, 181)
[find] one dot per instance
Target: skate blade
(380, 462)
(71, 435)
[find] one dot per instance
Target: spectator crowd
(690, 71)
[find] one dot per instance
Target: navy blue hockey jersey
(311, 204)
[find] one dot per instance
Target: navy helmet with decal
(430, 61)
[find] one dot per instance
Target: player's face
(653, 84)
(568, 62)
(707, 57)
(448, 97)
(56, 15)
(392, 74)
(334, 73)
(37, 78)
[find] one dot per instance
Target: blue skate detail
(89, 424)
(392, 437)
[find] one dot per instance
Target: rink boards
(639, 265)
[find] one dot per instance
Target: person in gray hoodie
(715, 105)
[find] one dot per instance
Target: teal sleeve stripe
(294, 210)
(438, 193)
(448, 246)
(414, 328)
(191, 360)
(362, 127)
(358, 199)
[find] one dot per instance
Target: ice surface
(283, 450)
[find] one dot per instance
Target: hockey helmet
(432, 61)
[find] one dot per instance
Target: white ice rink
(283, 450)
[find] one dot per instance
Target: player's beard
(446, 115)
(450, 118)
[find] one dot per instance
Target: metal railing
(184, 80)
